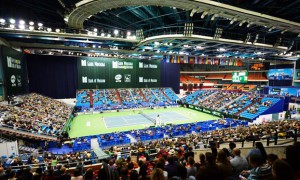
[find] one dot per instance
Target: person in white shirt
(158, 121)
(238, 163)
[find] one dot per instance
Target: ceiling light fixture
(241, 23)
(233, 20)
(214, 16)
(12, 21)
(21, 22)
(2, 21)
(204, 14)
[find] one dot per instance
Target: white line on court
(124, 119)
(105, 123)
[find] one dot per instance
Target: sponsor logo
(114, 64)
(100, 80)
(191, 106)
(83, 62)
(141, 64)
(88, 80)
(84, 79)
(150, 66)
(13, 63)
(206, 111)
(127, 78)
(198, 108)
(19, 80)
(216, 113)
(122, 65)
(118, 78)
(141, 79)
(13, 80)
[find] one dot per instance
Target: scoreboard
(240, 77)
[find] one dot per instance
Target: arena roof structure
(250, 30)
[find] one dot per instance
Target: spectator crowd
(35, 114)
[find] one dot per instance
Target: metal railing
(20, 131)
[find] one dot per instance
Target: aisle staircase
(132, 139)
(162, 91)
(96, 148)
(143, 95)
(238, 113)
(232, 101)
(119, 97)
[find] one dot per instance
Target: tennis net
(147, 117)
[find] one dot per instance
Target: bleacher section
(247, 106)
(162, 99)
(112, 139)
(83, 99)
(38, 115)
(259, 107)
(137, 96)
(112, 99)
(239, 104)
(218, 99)
(99, 99)
(170, 94)
(197, 97)
(127, 98)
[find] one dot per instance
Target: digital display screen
(240, 77)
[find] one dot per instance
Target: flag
(217, 61)
(191, 60)
(235, 62)
(182, 59)
(172, 59)
(178, 59)
(206, 62)
(230, 62)
(167, 58)
(186, 59)
(239, 63)
(196, 60)
(221, 61)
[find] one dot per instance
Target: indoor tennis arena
(149, 89)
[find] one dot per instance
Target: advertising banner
(13, 68)
(280, 74)
(205, 110)
(285, 91)
(100, 73)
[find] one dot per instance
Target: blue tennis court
(138, 119)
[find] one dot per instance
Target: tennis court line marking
(125, 120)
(104, 122)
